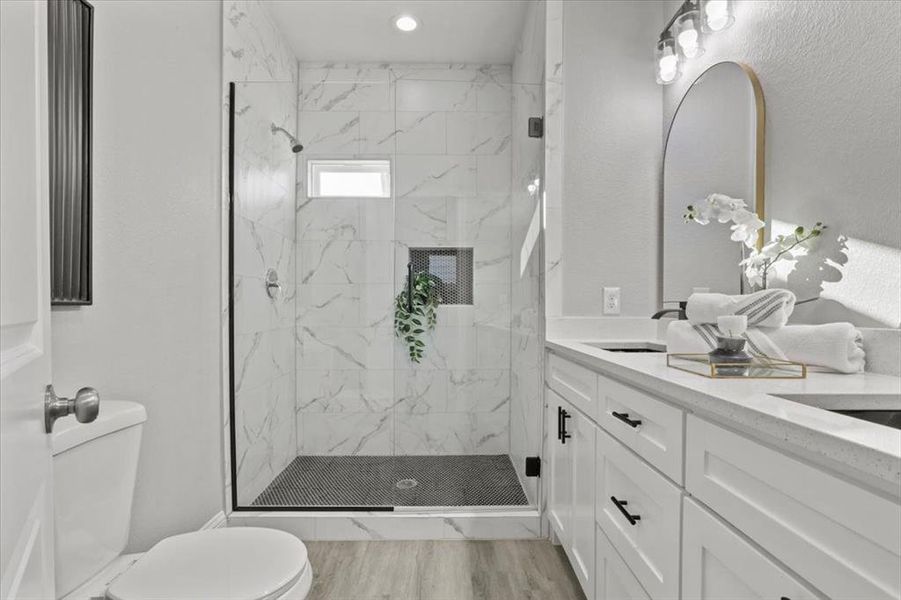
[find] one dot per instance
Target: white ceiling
(473, 31)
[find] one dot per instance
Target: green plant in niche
(414, 318)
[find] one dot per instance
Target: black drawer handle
(624, 417)
(620, 504)
(564, 435)
(559, 423)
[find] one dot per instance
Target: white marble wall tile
(452, 433)
(479, 133)
(528, 61)
(253, 48)
(329, 219)
(265, 435)
(265, 201)
(312, 73)
(493, 96)
(345, 305)
(446, 348)
(261, 153)
(421, 391)
(485, 219)
(377, 219)
(491, 262)
(263, 356)
(258, 248)
(256, 311)
(554, 44)
(494, 174)
(453, 72)
(345, 261)
(422, 133)
(492, 305)
(493, 347)
(342, 391)
(478, 390)
(346, 433)
(346, 96)
(330, 132)
(327, 348)
(423, 95)
(378, 132)
(490, 527)
(379, 528)
(435, 176)
(421, 221)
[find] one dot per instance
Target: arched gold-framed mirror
(715, 144)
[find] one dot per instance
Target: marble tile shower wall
(447, 129)
(256, 57)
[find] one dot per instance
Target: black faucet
(680, 312)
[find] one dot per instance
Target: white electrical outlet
(611, 300)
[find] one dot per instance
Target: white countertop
(859, 449)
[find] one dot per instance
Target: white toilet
(94, 468)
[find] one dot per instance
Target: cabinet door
(718, 564)
(560, 460)
(583, 526)
(614, 580)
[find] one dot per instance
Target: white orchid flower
(746, 226)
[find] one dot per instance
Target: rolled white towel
(766, 308)
(833, 346)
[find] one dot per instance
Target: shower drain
(406, 484)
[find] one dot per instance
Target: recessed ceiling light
(406, 23)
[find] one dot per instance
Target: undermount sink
(628, 346)
(882, 409)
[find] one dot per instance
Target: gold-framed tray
(760, 367)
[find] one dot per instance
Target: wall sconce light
(683, 37)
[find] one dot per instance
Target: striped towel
(766, 308)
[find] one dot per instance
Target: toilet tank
(94, 466)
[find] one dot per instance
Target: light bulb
(688, 41)
(717, 14)
(667, 62)
(688, 34)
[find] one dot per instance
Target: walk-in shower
(404, 165)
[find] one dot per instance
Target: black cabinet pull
(624, 417)
(620, 504)
(559, 422)
(564, 435)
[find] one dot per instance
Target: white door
(26, 485)
(560, 459)
(582, 524)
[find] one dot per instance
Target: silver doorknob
(85, 406)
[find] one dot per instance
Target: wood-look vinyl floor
(441, 570)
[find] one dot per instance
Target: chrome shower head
(295, 145)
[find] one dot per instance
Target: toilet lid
(235, 563)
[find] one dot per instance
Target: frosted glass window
(348, 178)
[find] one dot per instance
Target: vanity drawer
(629, 487)
(838, 536)
(575, 383)
(653, 429)
(718, 564)
(614, 580)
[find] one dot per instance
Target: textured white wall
(152, 335)
(831, 77)
(612, 153)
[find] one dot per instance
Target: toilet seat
(237, 563)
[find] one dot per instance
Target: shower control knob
(85, 406)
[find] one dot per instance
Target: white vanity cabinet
(571, 494)
(657, 502)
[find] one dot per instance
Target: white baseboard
(216, 521)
